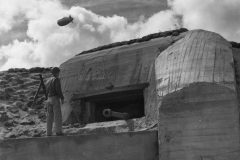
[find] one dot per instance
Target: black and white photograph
(119, 79)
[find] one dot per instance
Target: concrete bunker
(116, 77)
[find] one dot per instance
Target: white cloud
(18, 54)
(221, 16)
(51, 45)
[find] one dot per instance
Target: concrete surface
(197, 99)
(116, 146)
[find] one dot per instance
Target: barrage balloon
(64, 21)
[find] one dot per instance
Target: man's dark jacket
(53, 87)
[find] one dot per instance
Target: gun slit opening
(111, 107)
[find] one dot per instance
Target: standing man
(54, 92)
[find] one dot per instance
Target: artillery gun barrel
(109, 113)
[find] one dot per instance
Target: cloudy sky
(30, 36)
(131, 10)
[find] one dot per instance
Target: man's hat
(55, 70)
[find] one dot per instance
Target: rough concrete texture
(178, 102)
(200, 120)
(138, 124)
(197, 99)
(118, 146)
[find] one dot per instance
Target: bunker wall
(197, 99)
(118, 67)
(118, 146)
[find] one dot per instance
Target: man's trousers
(54, 113)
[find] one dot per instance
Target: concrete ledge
(115, 146)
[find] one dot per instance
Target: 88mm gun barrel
(109, 113)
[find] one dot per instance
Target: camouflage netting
(31, 70)
(138, 40)
(145, 38)
(235, 44)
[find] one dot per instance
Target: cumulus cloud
(50, 45)
(221, 16)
